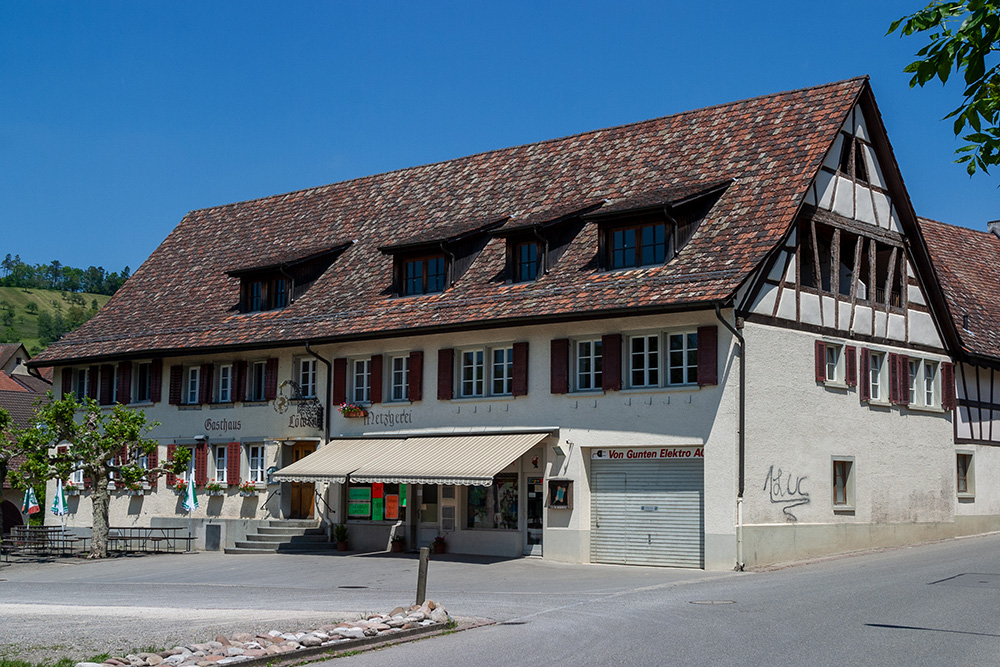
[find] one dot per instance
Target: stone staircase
(284, 536)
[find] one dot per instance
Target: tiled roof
(182, 298)
(967, 263)
(32, 383)
(7, 383)
(8, 350)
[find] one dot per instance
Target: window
(265, 292)
(641, 245)
(77, 476)
(965, 483)
(429, 503)
(424, 275)
(256, 296)
(280, 296)
(362, 377)
(255, 455)
(82, 384)
(682, 358)
(376, 502)
(502, 372)
(852, 159)
(930, 383)
(914, 376)
(225, 389)
(833, 363)
(192, 385)
(477, 378)
(494, 506)
(143, 382)
(400, 380)
(220, 463)
(526, 263)
(644, 361)
(472, 373)
(875, 379)
(843, 483)
(258, 373)
(588, 364)
(307, 378)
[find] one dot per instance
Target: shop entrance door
(303, 493)
(533, 527)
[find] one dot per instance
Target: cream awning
(334, 461)
(470, 460)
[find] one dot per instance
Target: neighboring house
(703, 340)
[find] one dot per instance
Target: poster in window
(560, 493)
(377, 509)
(359, 502)
(378, 490)
(392, 506)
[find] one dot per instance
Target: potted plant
(180, 487)
(71, 489)
(215, 488)
(134, 489)
(351, 410)
(248, 489)
(397, 544)
(340, 536)
(439, 544)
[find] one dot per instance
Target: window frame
(843, 468)
(220, 453)
(595, 364)
(966, 474)
(469, 522)
(519, 275)
(81, 383)
(399, 378)
(142, 390)
(877, 377)
(192, 385)
(307, 377)
(224, 383)
(251, 470)
(257, 375)
(652, 361)
(638, 249)
(365, 387)
(484, 361)
(424, 261)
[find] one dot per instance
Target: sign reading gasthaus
(648, 453)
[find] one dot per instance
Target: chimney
(994, 226)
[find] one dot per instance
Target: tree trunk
(101, 499)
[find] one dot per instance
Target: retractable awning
(470, 460)
(334, 461)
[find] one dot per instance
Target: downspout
(326, 418)
(545, 250)
(742, 430)
(451, 263)
(291, 287)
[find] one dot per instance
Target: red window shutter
(171, 479)
(820, 360)
(948, 386)
(271, 379)
(904, 380)
(708, 356)
(233, 464)
(156, 381)
(339, 380)
(62, 450)
(519, 385)
(865, 377)
(201, 464)
(92, 379)
(205, 383)
(176, 383)
(107, 384)
(154, 457)
(125, 382)
(416, 376)
(559, 366)
(375, 390)
(611, 373)
(240, 380)
(446, 374)
(893, 378)
(67, 382)
(851, 364)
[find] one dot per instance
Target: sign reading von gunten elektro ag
(640, 453)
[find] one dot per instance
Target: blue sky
(116, 118)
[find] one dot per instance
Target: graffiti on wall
(785, 490)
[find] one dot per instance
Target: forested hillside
(57, 276)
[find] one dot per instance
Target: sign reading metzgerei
(641, 453)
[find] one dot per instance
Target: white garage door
(647, 512)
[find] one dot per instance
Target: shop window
(493, 507)
(376, 502)
(429, 503)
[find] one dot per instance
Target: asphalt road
(936, 604)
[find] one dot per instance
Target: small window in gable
(852, 159)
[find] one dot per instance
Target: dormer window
(256, 296)
(526, 262)
(266, 294)
(424, 275)
(640, 245)
(280, 279)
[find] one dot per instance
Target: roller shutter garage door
(648, 512)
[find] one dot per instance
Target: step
(257, 537)
(243, 550)
(293, 523)
(267, 546)
(268, 530)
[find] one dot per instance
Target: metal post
(422, 575)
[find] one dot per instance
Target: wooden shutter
(559, 366)
(904, 380)
(611, 372)
(520, 381)
(205, 383)
(201, 464)
(240, 380)
(107, 384)
(415, 390)
(851, 365)
(375, 387)
(176, 383)
(865, 377)
(708, 356)
(67, 382)
(92, 378)
(171, 478)
(446, 374)
(339, 380)
(948, 386)
(271, 379)
(894, 380)
(156, 380)
(233, 464)
(153, 457)
(820, 360)
(125, 382)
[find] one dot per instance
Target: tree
(66, 435)
(962, 35)
(6, 445)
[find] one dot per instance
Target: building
(705, 340)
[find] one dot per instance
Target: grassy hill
(20, 309)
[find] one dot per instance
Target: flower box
(248, 494)
(71, 490)
(354, 414)
(135, 492)
(214, 492)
